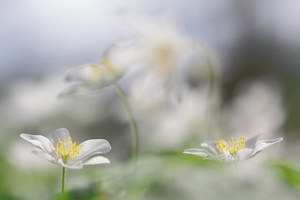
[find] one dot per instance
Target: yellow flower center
(98, 74)
(163, 57)
(232, 147)
(95, 76)
(67, 150)
(109, 67)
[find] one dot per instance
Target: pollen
(67, 150)
(109, 67)
(95, 74)
(231, 147)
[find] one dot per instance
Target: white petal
(96, 160)
(39, 141)
(93, 147)
(225, 157)
(198, 152)
(70, 164)
(250, 143)
(80, 90)
(42, 154)
(245, 154)
(61, 133)
(73, 165)
(94, 75)
(262, 144)
(211, 145)
(84, 73)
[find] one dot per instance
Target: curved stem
(214, 93)
(63, 180)
(133, 126)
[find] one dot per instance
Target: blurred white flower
(165, 126)
(66, 153)
(164, 50)
(35, 98)
(145, 84)
(259, 104)
(91, 78)
(160, 41)
(234, 150)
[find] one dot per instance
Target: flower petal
(96, 160)
(198, 152)
(250, 143)
(61, 133)
(42, 154)
(93, 147)
(88, 74)
(262, 144)
(70, 164)
(244, 154)
(95, 75)
(76, 90)
(211, 145)
(39, 141)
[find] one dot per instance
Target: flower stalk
(214, 93)
(62, 151)
(133, 126)
(63, 178)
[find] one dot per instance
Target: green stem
(133, 126)
(63, 180)
(214, 94)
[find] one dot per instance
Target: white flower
(266, 115)
(234, 150)
(161, 43)
(61, 150)
(90, 78)
(163, 50)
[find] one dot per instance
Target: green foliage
(289, 173)
(5, 186)
(92, 192)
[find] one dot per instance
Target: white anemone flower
(90, 78)
(161, 43)
(163, 50)
(234, 150)
(61, 150)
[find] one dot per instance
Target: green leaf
(289, 173)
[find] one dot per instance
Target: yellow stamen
(95, 77)
(67, 150)
(234, 145)
(109, 67)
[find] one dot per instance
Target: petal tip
(204, 144)
(61, 129)
(185, 151)
(22, 135)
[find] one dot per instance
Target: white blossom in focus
(61, 150)
(234, 150)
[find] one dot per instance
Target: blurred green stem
(133, 126)
(214, 94)
(63, 180)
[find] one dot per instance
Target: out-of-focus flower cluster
(158, 53)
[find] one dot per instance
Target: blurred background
(241, 78)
